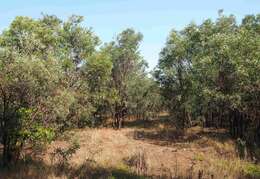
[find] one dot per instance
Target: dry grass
(157, 151)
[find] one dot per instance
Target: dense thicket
(211, 73)
(52, 77)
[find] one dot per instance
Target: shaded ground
(151, 149)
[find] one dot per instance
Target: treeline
(56, 75)
(210, 74)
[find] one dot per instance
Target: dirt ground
(142, 150)
(159, 147)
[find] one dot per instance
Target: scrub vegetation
(74, 107)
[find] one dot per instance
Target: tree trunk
(7, 155)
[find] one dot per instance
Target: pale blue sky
(153, 18)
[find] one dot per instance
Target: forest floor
(152, 149)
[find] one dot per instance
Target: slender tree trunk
(120, 123)
(230, 116)
(7, 155)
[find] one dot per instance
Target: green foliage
(212, 70)
(125, 82)
(198, 157)
(38, 93)
(31, 130)
(53, 78)
(252, 170)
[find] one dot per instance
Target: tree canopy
(56, 75)
(210, 72)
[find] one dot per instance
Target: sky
(153, 18)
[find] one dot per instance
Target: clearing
(152, 149)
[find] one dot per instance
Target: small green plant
(252, 170)
(198, 157)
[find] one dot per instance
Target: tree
(126, 61)
(211, 71)
(26, 87)
(42, 89)
(97, 74)
(174, 76)
(145, 100)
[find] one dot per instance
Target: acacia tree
(42, 89)
(127, 62)
(174, 76)
(145, 101)
(26, 87)
(221, 69)
(97, 74)
(76, 45)
(219, 66)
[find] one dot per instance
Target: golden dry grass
(105, 153)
